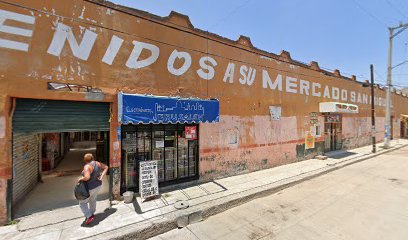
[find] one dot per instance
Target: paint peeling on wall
(2, 126)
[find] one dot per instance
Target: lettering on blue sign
(159, 109)
(194, 112)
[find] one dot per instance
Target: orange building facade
(270, 105)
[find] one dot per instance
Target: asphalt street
(366, 200)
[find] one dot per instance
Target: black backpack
(81, 191)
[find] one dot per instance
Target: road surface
(366, 200)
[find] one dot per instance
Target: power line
(400, 74)
(396, 9)
(370, 14)
(380, 76)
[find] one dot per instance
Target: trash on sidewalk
(128, 196)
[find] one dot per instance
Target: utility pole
(401, 27)
(372, 109)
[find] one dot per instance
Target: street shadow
(137, 207)
(38, 199)
(99, 217)
(181, 187)
(340, 155)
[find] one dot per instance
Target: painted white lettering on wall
(291, 84)
(353, 96)
(229, 73)
(359, 98)
(178, 63)
(247, 75)
(316, 86)
(207, 71)
(335, 93)
(243, 71)
(343, 95)
(304, 87)
(133, 60)
(251, 76)
(12, 44)
(179, 55)
(365, 98)
(113, 49)
(326, 93)
(267, 82)
(63, 33)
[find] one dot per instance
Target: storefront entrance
(173, 146)
(49, 140)
(332, 132)
(162, 130)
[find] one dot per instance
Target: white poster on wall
(148, 182)
(275, 112)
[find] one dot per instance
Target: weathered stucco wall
(115, 49)
(5, 168)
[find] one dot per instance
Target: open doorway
(50, 138)
(59, 164)
(333, 132)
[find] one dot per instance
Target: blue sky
(345, 34)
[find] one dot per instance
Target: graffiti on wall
(115, 171)
(244, 74)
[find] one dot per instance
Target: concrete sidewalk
(143, 220)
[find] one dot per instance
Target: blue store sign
(135, 108)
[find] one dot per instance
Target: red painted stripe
(298, 141)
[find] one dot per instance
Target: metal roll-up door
(25, 164)
(41, 116)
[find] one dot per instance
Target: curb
(167, 222)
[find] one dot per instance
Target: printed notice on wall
(191, 132)
(275, 112)
(149, 184)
